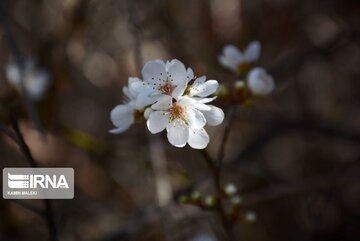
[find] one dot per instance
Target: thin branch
(49, 213)
(216, 167)
(9, 133)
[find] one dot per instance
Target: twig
(216, 167)
(49, 214)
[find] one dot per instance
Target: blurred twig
(18, 138)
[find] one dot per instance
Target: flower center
(167, 89)
(176, 111)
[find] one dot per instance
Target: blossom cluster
(258, 81)
(170, 97)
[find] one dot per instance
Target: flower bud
(237, 201)
(184, 199)
(230, 190)
(239, 85)
(211, 201)
(250, 217)
(196, 196)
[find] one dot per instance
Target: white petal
(154, 72)
(200, 80)
(232, 52)
(132, 80)
(195, 118)
(205, 100)
(179, 89)
(198, 138)
(122, 116)
(177, 72)
(147, 112)
(215, 116)
(252, 52)
(13, 74)
(201, 106)
(157, 122)
(143, 100)
(177, 133)
(189, 73)
(259, 82)
(127, 93)
(36, 83)
(228, 63)
(164, 103)
(205, 89)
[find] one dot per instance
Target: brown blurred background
(294, 156)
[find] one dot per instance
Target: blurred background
(294, 155)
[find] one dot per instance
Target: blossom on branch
(235, 60)
(170, 98)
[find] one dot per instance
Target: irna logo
(37, 181)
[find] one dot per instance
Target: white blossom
(183, 122)
(165, 79)
(170, 98)
(233, 59)
(199, 89)
(124, 115)
(260, 82)
(35, 81)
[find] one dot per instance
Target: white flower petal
(204, 100)
(179, 89)
(177, 133)
(147, 112)
(36, 83)
(201, 106)
(252, 52)
(195, 118)
(13, 74)
(176, 72)
(215, 116)
(143, 100)
(154, 72)
(157, 122)
(122, 116)
(207, 88)
(232, 52)
(228, 63)
(198, 138)
(164, 103)
(200, 80)
(259, 82)
(187, 101)
(189, 74)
